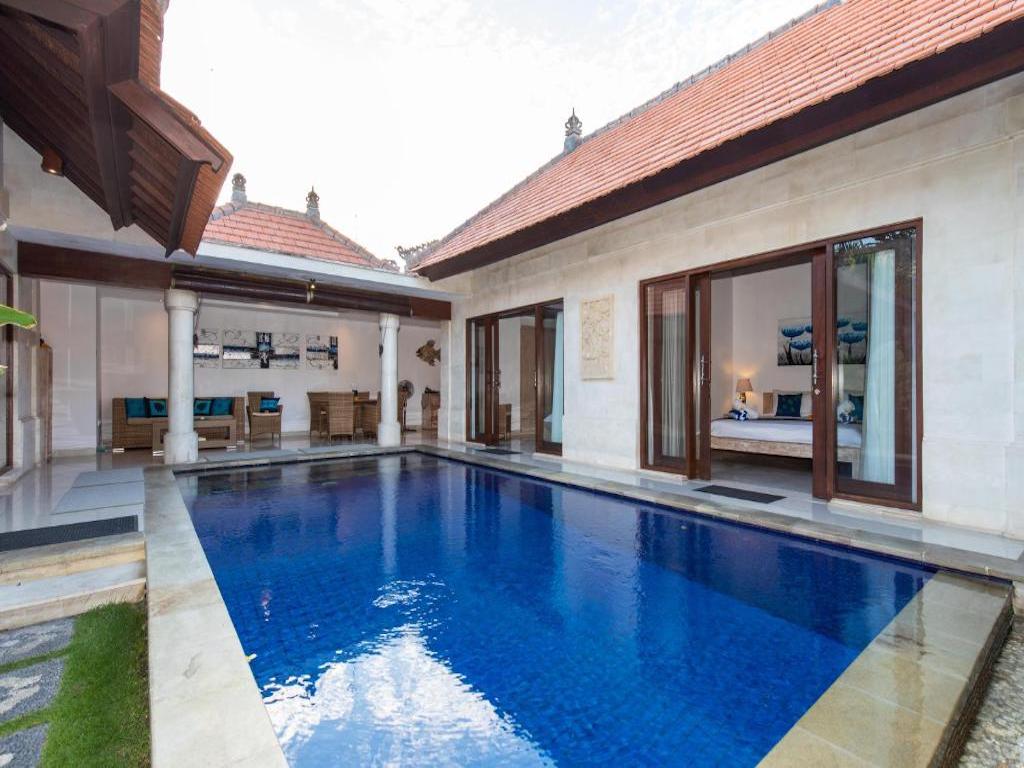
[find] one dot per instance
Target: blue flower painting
(795, 342)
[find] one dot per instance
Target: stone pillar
(181, 444)
(389, 431)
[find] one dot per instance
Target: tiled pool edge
(921, 677)
(205, 707)
(936, 555)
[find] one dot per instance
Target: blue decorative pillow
(201, 406)
(156, 408)
(858, 407)
(135, 407)
(269, 404)
(222, 406)
(788, 406)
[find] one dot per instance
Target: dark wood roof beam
(149, 108)
(188, 170)
(59, 12)
(94, 74)
(120, 59)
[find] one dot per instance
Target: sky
(409, 117)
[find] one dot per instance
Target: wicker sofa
(138, 432)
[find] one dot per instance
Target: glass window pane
(477, 380)
(876, 372)
(665, 309)
(552, 367)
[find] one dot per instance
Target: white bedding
(781, 431)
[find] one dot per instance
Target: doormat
(740, 493)
(60, 534)
(498, 451)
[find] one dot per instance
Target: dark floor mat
(59, 534)
(498, 451)
(740, 493)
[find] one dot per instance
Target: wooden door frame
(540, 387)
(492, 352)
(823, 429)
(8, 341)
(652, 462)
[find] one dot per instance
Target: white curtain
(672, 348)
(557, 381)
(878, 448)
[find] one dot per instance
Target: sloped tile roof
(279, 230)
(835, 48)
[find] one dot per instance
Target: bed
(781, 437)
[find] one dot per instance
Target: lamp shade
(744, 385)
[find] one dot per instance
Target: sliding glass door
(515, 362)
(676, 374)
(875, 283)
(481, 398)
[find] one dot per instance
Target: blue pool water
(411, 610)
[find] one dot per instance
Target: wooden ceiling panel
(81, 78)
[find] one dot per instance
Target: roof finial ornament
(238, 189)
(573, 132)
(313, 204)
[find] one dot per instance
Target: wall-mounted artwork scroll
(322, 352)
(206, 350)
(597, 323)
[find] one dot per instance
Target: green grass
(100, 716)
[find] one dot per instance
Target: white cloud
(411, 116)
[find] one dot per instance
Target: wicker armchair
(341, 415)
(317, 412)
(263, 423)
(430, 402)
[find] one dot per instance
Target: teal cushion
(269, 404)
(222, 406)
(788, 406)
(201, 406)
(135, 407)
(156, 408)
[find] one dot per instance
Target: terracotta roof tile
(279, 230)
(807, 63)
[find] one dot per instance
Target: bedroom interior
(740, 385)
(750, 367)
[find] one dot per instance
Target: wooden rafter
(81, 77)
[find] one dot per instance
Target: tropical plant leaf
(12, 316)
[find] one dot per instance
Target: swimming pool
(408, 609)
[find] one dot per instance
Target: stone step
(54, 597)
(72, 557)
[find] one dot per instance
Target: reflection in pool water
(410, 610)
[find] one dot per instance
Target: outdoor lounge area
(697, 444)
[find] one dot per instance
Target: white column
(181, 443)
(389, 431)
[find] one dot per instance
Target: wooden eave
(81, 77)
(49, 262)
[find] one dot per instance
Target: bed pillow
(222, 406)
(788, 405)
(201, 406)
(135, 407)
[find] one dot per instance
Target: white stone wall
(959, 165)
